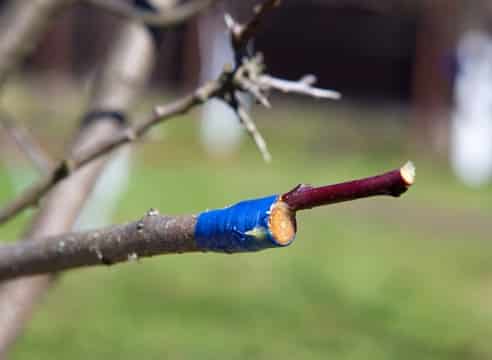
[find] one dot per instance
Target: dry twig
(248, 77)
(302, 87)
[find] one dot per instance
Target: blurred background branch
(27, 143)
(246, 77)
(126, 70)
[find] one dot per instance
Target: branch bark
(126, 71)
(152, 235)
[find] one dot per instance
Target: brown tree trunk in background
(123, 75)
(91, 23)
(191, 55)
(54, 59)
(22, 23)
(433, 73)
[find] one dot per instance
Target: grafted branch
(393, 183)
(155, 234)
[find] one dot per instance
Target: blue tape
(239, 228)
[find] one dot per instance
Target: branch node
(152, 212)
(63, 170)
(209, 90)
(232, 25)
(61, 247)
(130, 134)
(98, 252)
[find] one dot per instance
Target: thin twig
(393, 183)
(35, 192)
(241, 34)
(167, 17)
(243, 78)
(27, 143)
(250, 127)
(301, 87)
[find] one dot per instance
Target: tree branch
(247, 77)
(156, 235)
(125, 72)
(152, 235)
(241, 34)
(34, 193)
(252, 130)
(302, 87)
(27, 143)
(163, 18)
(393, 183)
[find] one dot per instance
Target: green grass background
(407, 278)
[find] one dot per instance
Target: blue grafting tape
(239, 228)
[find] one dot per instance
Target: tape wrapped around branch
(250, 225)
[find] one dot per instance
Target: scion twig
(393, 183)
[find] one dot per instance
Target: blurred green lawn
(407, 278)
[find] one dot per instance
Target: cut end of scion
(407, 173)
(282, 223)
